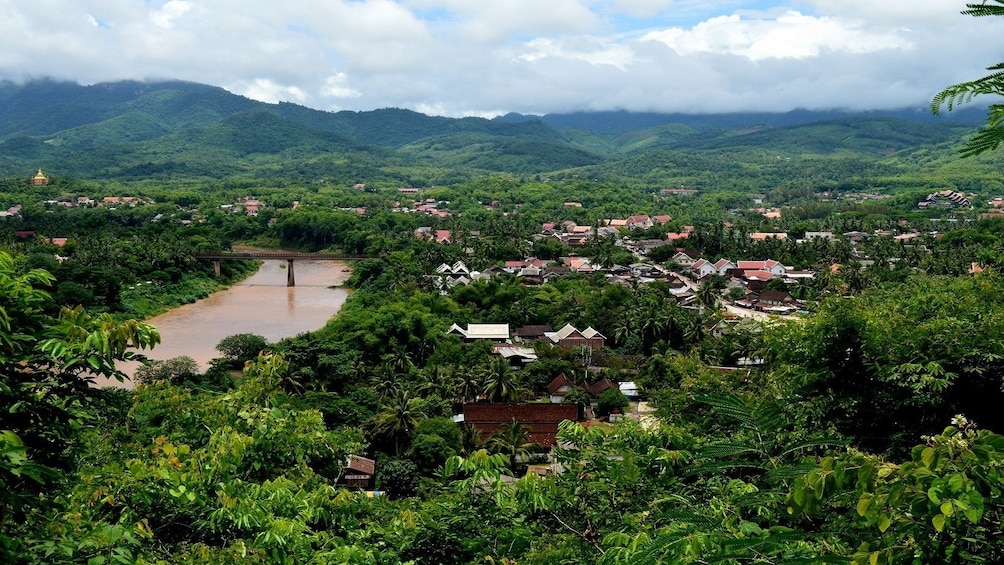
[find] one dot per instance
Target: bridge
(289, 257)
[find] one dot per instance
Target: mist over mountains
(130, 130)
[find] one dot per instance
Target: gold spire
(39, 179)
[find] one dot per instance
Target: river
(261, 304)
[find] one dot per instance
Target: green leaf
(939, 522)
(884, 521)
(863, 503)
(927, 456)
(933, 494)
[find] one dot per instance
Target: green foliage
(241, 348)
(398, 478)
(992, 134)
(609, 400)
(937, 507)
(174, 370)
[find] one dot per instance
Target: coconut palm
(500, 382)
(512, 440)
(399, 416)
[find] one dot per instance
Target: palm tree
(469, 385)
(500, 382)
(708, 296)
(512, 440)
(439, 380)
(399, 416)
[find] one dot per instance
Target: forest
(864, 433)
(862, 426)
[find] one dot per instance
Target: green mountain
(132, 131)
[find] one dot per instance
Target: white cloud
(790, 36)
(466, 57)
(335, 87)
(588, 50)
(267, 90)
(642, 8)
(169, 12)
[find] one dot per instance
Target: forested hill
(131, 130)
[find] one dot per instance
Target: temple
(39, 179)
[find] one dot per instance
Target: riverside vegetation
(866, 432)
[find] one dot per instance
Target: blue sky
(486, 57)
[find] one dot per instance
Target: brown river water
(261, 304)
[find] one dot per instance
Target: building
(492, 332)
(569, 338)
(39, 179)
(542, 418)
(360, 472)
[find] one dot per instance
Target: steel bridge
(289, 257)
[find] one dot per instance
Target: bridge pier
(216, 268)
(290, 279)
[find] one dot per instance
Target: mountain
(132, 131)
(616, 122)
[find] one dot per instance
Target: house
(756, 280)
(684, 259)
(599, 387)
(517, 356)
(444, 236)
(629, 389)
(579, 264)
(827, 235)
(493, 332)
(703, 268)
(639, 222)
(644, 246)
(774, 298)
(541, 419)
(360, 472)
(559, 387)
(723, 266)
(568, 337)
(770, 265)
(762, 236)
(529, 334)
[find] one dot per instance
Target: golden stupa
(39, 179)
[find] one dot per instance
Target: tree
(512, 440)
(48, 366)
(398, 478)
(241, 348)
(500, 382)
(609, 400)
(399, 416)
(992, 135)
(173, 370)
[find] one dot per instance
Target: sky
(489, 57)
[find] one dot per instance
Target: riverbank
(261, 304)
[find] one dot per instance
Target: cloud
(335, 87)
(266, 90)
(585, 49)
(790, 36)
(460, 57)
(171, 11)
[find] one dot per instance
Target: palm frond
(984, 9)
(718, 467)
(731, 406)
(727, 449)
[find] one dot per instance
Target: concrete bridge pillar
(290, 278)
(216, 268)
